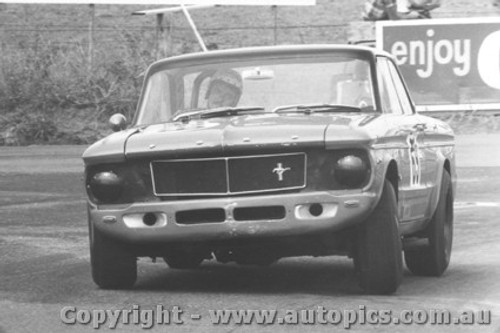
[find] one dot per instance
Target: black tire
(378, 258)
(183, 259)
(433, 258)
(112, 266)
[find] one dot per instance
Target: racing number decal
(415, 166)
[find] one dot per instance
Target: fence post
(159, 35)
(275, 14)
(168, 36)
(91, 37)
(3, 83)
(163, 36)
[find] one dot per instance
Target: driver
(224, 89)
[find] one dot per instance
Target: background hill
(51, 91)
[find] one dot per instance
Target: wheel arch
(392, 175)
(447, 166)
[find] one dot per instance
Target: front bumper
(339, 211)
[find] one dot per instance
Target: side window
(400, 88)
(388, 93)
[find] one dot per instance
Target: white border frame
(171, 2)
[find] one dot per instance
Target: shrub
(49, 82)
(24, 128)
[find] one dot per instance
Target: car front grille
(229, 175)
(240, 214)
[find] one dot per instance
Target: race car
(254, 154)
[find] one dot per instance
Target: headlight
(340, 169)
(119, 183)
(106, 186)
(351, 171)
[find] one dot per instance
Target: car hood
(259, 133)
(111, 149)
(219, 136)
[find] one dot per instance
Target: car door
(413, 194)
(424, 155)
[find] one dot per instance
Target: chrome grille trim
(226, 160)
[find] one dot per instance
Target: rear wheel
(433, 258)
(378, 258)
(113, 267)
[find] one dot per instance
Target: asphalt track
(44, 259)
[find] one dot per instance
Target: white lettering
(448, 54)
(462, 58)
(428, 53)
(414, 47)
(135, 313)
(64, 315)
(99, 318)
(114, 316)
(147, 319)
(429, 60)
(400, 52)
(350, 318)
(83, 317)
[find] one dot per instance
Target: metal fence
(112, 29)
(97, 33)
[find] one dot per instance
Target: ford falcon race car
(256, 154)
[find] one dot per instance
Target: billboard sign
(448, 64)
(173, 2)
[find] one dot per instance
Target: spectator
(376, 10)
(422, 7)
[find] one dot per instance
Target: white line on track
(461, 204)
(35, 205)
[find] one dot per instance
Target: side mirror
(117, 122)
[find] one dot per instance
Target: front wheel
(378, 259)
(112, 266)
(433, 258)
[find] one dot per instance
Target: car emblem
(279, 170)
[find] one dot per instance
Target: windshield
(262, 85)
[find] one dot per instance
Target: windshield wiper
(310, 108)
(218, 112)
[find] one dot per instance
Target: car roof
(263, 51)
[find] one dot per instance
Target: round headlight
(106, 186)
(351, 171)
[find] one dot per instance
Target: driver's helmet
(229, 77)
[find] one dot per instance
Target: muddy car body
(323, 153)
